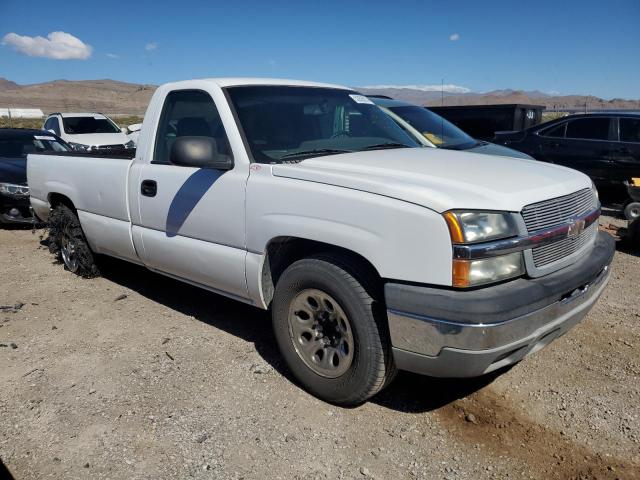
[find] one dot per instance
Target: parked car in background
(373, 253)
(432, 130)
(88, 131)
(15, 145)
(605, 146)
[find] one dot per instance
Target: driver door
(191, 220)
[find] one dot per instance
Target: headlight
(472, 226)
(469, 273)
(130, 144)
(12, 190)
(469, 227)
(79, 147)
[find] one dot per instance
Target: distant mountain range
(433, 97)
(106, 96)
(113, 97)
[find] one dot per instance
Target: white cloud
(450, 88)
(454, 37)
(57, 45)
(151, 46)
(113, 55)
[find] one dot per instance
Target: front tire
(332, 330)
(67, 241)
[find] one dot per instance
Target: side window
(630, 130)
(557, 131)
(589, 128)
(188, 113)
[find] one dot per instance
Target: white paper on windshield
(360, 99)
(40, 137)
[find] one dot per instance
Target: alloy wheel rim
(68, 251)
(321, 333)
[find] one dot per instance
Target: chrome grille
(557, 211)
(563, 248)
(109, 147)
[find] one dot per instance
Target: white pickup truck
(373, 254)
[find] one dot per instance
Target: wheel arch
(282, 251)
(56, 199)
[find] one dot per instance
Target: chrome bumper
(465, 346)
(429, 336)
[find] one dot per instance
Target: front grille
(559, 211)
(109, 147)
(554, 212)
(563, 248)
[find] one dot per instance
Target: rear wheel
(68, 243)
(331, 331)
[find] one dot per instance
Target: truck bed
(96, 184)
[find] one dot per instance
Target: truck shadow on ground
(408, 393)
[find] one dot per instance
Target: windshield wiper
(318, 151)
(380, 146)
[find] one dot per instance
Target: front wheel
(331, 331)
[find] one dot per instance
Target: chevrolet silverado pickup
(372, 253)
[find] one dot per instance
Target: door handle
(149, 188)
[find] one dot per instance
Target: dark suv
(605, 146)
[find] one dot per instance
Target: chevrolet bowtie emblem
(576, 227)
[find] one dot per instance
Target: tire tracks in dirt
(487, 419)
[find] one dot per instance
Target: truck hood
(96, 139)
(440, 179)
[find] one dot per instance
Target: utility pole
(10, 119)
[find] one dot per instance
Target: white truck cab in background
(373, 254)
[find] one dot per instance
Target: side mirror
(123, 130)
(51, 130)
(133, 128)
(199, 152)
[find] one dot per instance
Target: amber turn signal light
(455, 230)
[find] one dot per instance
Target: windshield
(84, 125)
(433, 127)
(288, 123)
(20, 146)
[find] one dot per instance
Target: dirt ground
(134, 375)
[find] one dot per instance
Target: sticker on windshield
(40, 137)
(360, 99)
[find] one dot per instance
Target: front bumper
(452, 333)
(19, 205)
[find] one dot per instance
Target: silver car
(432, 130)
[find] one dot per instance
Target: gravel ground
(134, 375)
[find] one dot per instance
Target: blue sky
(583, 47)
